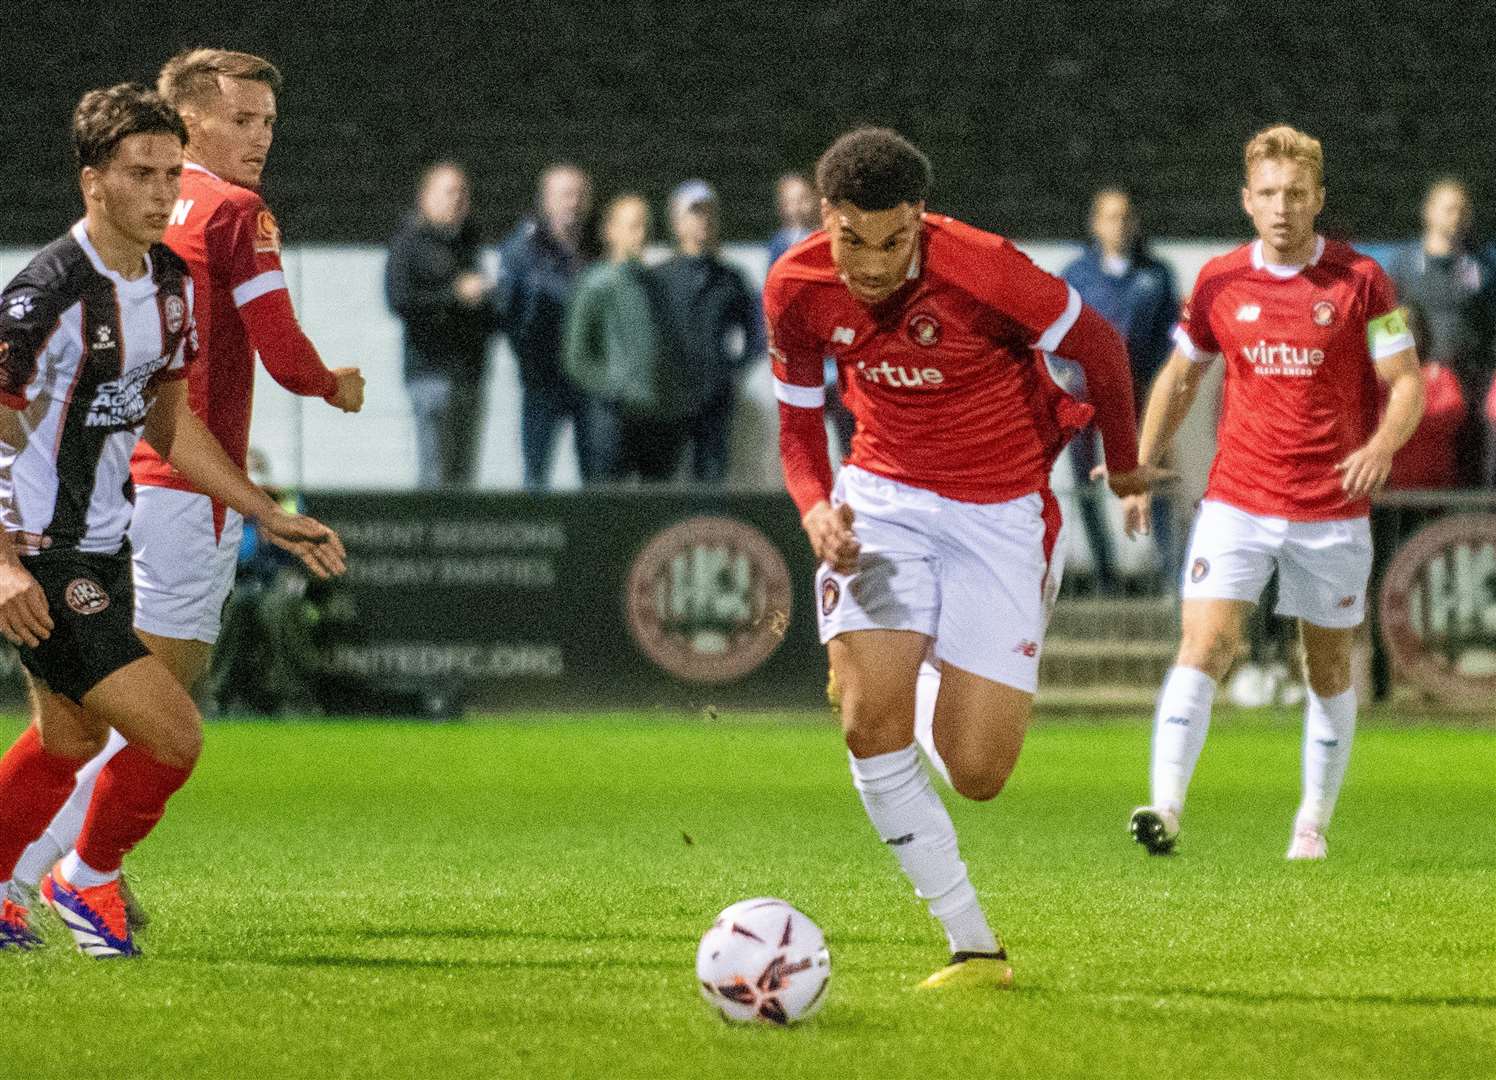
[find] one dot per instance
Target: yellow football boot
(976, 971)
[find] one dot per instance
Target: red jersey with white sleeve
(1301, 391)
(231, 242)
(946, 377)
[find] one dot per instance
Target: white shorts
(184, 568)
(1323, 566)
(979, 578)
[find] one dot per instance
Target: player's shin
(910, 818)
(1329, 727)
(62, 832)
(128, 802)
(33, 784)
(1180, 724)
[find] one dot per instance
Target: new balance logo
(900, 841)
(1249, 313)
(1027, 648)
(843, 335)
(1182, 721)
(1331, 743)
(180, 211)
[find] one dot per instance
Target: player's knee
(1328, 676)
(179, 746)
(979, 784)
(871, 725)
(1211, 651)
(79, 745)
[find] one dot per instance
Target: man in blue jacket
(541, 261)
(1134, 292)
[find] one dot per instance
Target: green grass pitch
(519, 898)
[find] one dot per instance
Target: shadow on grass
(411, 963)
(1247, 997)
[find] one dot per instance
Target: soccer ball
(763, 960)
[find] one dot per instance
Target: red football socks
(128, 801)
(33, 786)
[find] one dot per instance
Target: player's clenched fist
(24, 619)
(349, 396)
(308, 539)
(831, 536)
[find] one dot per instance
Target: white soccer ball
(762, 960)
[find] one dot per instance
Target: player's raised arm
(1391, 346)
(245, 228)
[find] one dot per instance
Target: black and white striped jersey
(82, 353)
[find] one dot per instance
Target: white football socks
(1179, 727)
(913, 822)
(62, 831)
(1329, 727)
(82, 876)
(926, 690)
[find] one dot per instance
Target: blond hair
(1284, 143)
(192, 75)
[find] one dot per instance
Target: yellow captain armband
(1388, 334)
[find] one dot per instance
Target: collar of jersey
(1259, 263)
(195, 167)
(144, 283)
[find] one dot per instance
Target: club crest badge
(1199, 569)
(175, 313)
(924, 331)
(85, 596)
(830, 595)
(1323, 313)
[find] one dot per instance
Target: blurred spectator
(1429, 458)
(613, 353)
(1119, 277)
(1457, 293)
(799, 213)
(434, 283)
(711, 326)
(541, 261)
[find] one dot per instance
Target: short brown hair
(1284, 143)
(105, 118)
(192, 75)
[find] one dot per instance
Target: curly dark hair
(105, 118)
(873, 168)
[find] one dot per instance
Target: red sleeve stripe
(1050, 340)
(1186, 345)
(802, 397)
(258, 286)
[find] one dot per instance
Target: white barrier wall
(339, 295)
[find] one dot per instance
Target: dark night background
(1023, 109)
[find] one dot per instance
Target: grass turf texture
(518, 899)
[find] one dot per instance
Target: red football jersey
(945, 378)
(1301, 389)
(231, 242)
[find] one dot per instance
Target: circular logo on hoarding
(708, 599)
(1438, 607)
(1323, 313)
(1199, 569)
(924, 330)
(85, 596)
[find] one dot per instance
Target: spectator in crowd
(1457, 292)
(434, 282)
(612, 350)
(711, 326)
(799, 213)
(1119, 277)
(541, 261)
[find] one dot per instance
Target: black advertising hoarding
(628, 598)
